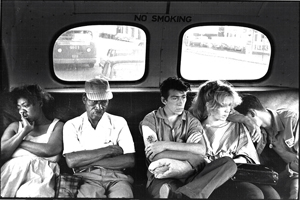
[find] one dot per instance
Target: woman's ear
(208, 109)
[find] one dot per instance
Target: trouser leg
(211, 177)
(120, 189)
(91, 189)
(288, 187)
(156, 184)
(294, 188)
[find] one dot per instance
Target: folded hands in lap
(170, 168)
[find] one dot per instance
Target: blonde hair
(212, 92)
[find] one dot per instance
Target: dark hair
(173, 83)
(34, 94)
(249, 101)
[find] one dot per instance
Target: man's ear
(163, 100)
(252, 112)
(83, 99)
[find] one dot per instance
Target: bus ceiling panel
(282, 10)
(92, 7)
(124, 7)
(216, 8)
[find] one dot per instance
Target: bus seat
(133, 107)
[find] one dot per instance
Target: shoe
(166, 192)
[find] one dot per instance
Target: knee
(228, 161)
(125, 194)
(248, 190)
(121, 192)
(254, 194)
(229, 164)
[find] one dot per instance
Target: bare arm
(157, 147)
(152, 148)
(89, 157)
(52, 148)
(11, 140)
(193, 159)
(254, 130)
(118, 162)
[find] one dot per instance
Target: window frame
(113, 82)
(266, 34)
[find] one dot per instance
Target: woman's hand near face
(26, 126)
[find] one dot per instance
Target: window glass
(111, 51)
(224, 52)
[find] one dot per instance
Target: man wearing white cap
(98, 146)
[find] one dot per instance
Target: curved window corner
(115, 52)
(224, 52)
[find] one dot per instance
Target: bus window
(224, 52)
(111, 51)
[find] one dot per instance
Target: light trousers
(105, 183)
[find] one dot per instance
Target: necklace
(271, 142)
(270, 145)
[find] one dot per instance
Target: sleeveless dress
(27, 175)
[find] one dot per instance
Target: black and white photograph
(149, 99)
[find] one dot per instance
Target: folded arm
(194, 159)
(11, 140)
(118, 162)
(89, 157)
(154, 147)
(51, 148)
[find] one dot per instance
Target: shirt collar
(277, 124)
(104, 122)
(162, 114)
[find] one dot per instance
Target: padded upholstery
(279, 99)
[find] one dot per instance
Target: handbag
(254, 173)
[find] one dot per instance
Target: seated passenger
(31, 147)
(215, 100)
(99, 146)
(279, 147)
(172, 136)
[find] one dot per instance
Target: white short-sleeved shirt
(79, 135)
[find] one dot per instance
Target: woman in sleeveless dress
(30, 148)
